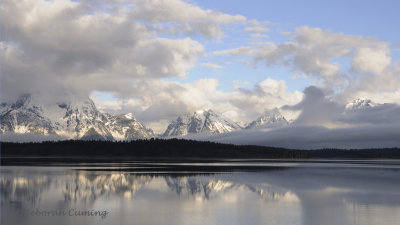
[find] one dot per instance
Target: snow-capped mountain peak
(271, 118)
(360, 103)
(129, 116)
(200, 121)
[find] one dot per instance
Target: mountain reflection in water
(291, 196)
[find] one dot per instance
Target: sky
(162, 58)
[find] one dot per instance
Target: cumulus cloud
(64, 48)
(85, 46)
(265, 95)
(349, 64)
(236, 51)
(381, 97)
(191, 18)
(382, 88)
(257, 29)
(316, 108)
(59, 49)
(212, 65)
(371, 60)
(162, 101)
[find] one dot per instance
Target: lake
(250, 192)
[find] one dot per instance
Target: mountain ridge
(271, 118)
(74, 120)
(80, 119)
(201, 121)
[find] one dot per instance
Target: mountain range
(76, 119)
(80, 119)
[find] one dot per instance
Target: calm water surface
(276, 192)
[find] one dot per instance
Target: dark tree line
(179, 148)
(151, 148)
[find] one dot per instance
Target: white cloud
(312, 51)
(371, 60)
(236, 51)
(380, 97)
(316, 108)
(314, 137)
(86, 46)
(324, 123)
(212, 65)
(165, 57)
(349, 64)
(265, 95)
(381, 114)
(62, 48)
(192, 18)
(257, 27)
(162, 101)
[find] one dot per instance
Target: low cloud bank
(13, 137)
(313, 137)
(294, 136)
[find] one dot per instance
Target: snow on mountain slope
(82, 120)
(271, 118)
(360, 104)
(76, 119)
(200, 121)
(126, 127)
(24, 117)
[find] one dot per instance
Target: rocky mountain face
(74, 119)
(199, 122)
(271, 118)
(126, 127)
(23, 117)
